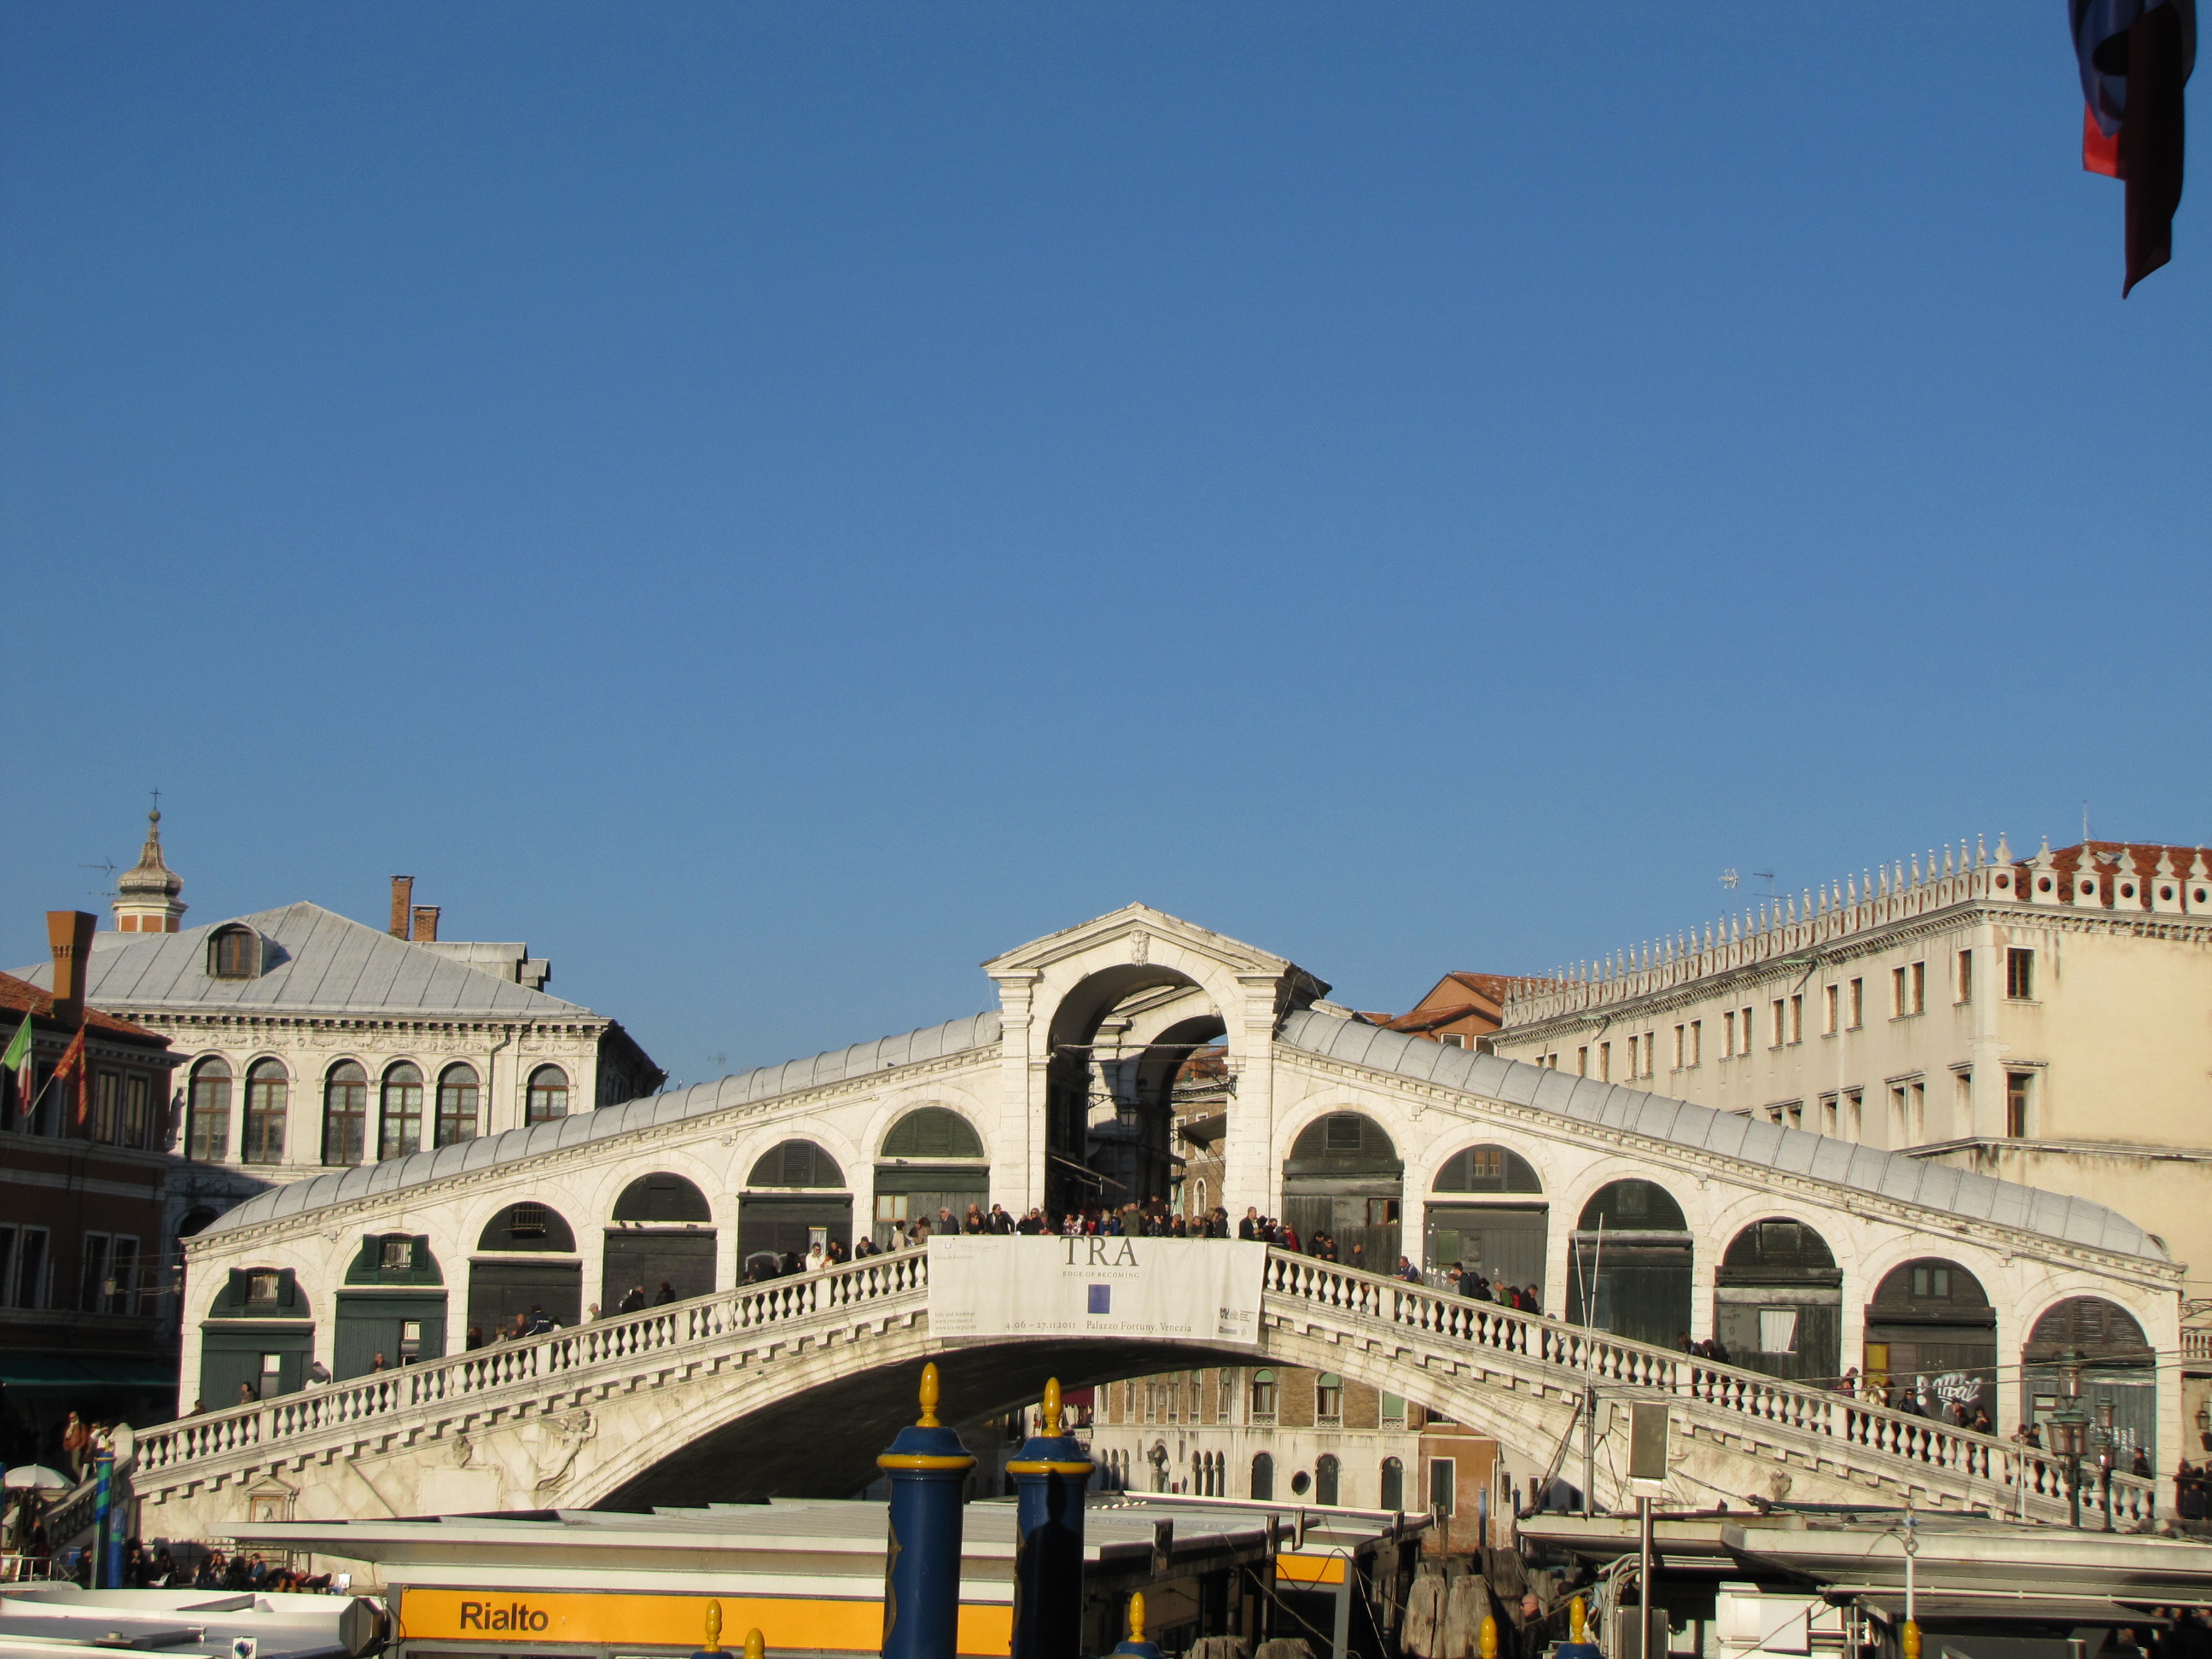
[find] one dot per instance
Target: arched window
(207, 1135)
(1632, 1206)
(1487, 1169)
(1263, 1477)
(662, 1197)
(1326, 1475)
(456, 1105)
(1263, 1396)
(529, 1227)
(932, 1132)
(401, 1132)
(549, 1095)
(1328, 1398)
(345, 1113)
(1393, 1483)
(795, 1163)
(1352, 1137)
(265, 1091)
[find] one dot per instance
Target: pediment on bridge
(1129, 935)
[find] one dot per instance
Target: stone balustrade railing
(388, 1401)
(2016, 1479)
(1909, 1450)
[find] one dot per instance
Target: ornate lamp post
(2069, 1429)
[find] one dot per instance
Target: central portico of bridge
(1065, 1097)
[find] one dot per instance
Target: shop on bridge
(526, 1265)
(1489, 1215)
(1344, 1177)
(1628, 1267)
(660, 1245)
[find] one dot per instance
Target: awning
(59, 1373)
(2005, 1610)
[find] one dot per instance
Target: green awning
(58, 1373)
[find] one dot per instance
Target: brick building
(87, 1314)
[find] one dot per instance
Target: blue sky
(773, 504)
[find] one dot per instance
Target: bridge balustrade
(1718, 1398)
(1751, 1397)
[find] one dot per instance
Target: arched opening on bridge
(1120, 1040)
(2117, 1368)
(1488, 1217)
(1629, 1264)
(660, 1247)
(794, 1199)
(526, 1265)
(1263, 1477)
(1931, 1332)
(1345, 1178)
(1778, 1302)
(392, 1308)
(932, 1160)
(256, 1339)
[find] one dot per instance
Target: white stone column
(1017, 1150)
(1250, 1175)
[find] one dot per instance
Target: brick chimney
(402, 901)
(426, 923)
(69, 934)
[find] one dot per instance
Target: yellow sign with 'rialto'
(673, 1621)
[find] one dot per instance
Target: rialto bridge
(1640, 1218)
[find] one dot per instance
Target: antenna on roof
(1728, 877)
(106, 867)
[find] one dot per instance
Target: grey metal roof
(322, 963)
(1584, 1099)
(744, 1088)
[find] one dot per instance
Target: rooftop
(1960, 1192)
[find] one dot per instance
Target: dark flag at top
(2135, 56)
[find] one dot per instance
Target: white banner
(988, 1285)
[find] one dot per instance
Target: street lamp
(2069, 1428)
(2106, 1447)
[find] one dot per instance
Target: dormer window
(234, 953)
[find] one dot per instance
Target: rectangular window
(1328, 1399)
(1828, 1011)
(1681, 1045)
(123, 1275)
(1393, 1411)
(890, 1206)
(1781, 1024)
(29, 1287)
(1962, 1101)
(1777, 1330)
(1697, 1042)
(1745, 1029)
(1917, 988)
(137, 1098)
(1442, 1481)
(1582, 1062)
(1916, 1100)
(1830, 1123)
(1605, 1062)
(397, 1253)
(1898, 1003)
(1650, 1053)
(1900, 1128)
(1796, 1018)
(261, 1290)
(1966, 975)
(1859, 1004)
(2020, 975)
(92, 1282)
(1727, 1035)
(2016, 1088)
(107, 1107)
(1854, 1113)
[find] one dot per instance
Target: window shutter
(235, 1297)
(287, 1290)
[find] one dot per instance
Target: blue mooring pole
(1051, 1472)
(107, 1552)
(928, 1469)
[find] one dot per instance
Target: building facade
(1300, 1438)
(88, 1293)
(308, 1041)
(2046, 1020)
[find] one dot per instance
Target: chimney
(426, 923)
(402, 901)
(69, 934)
